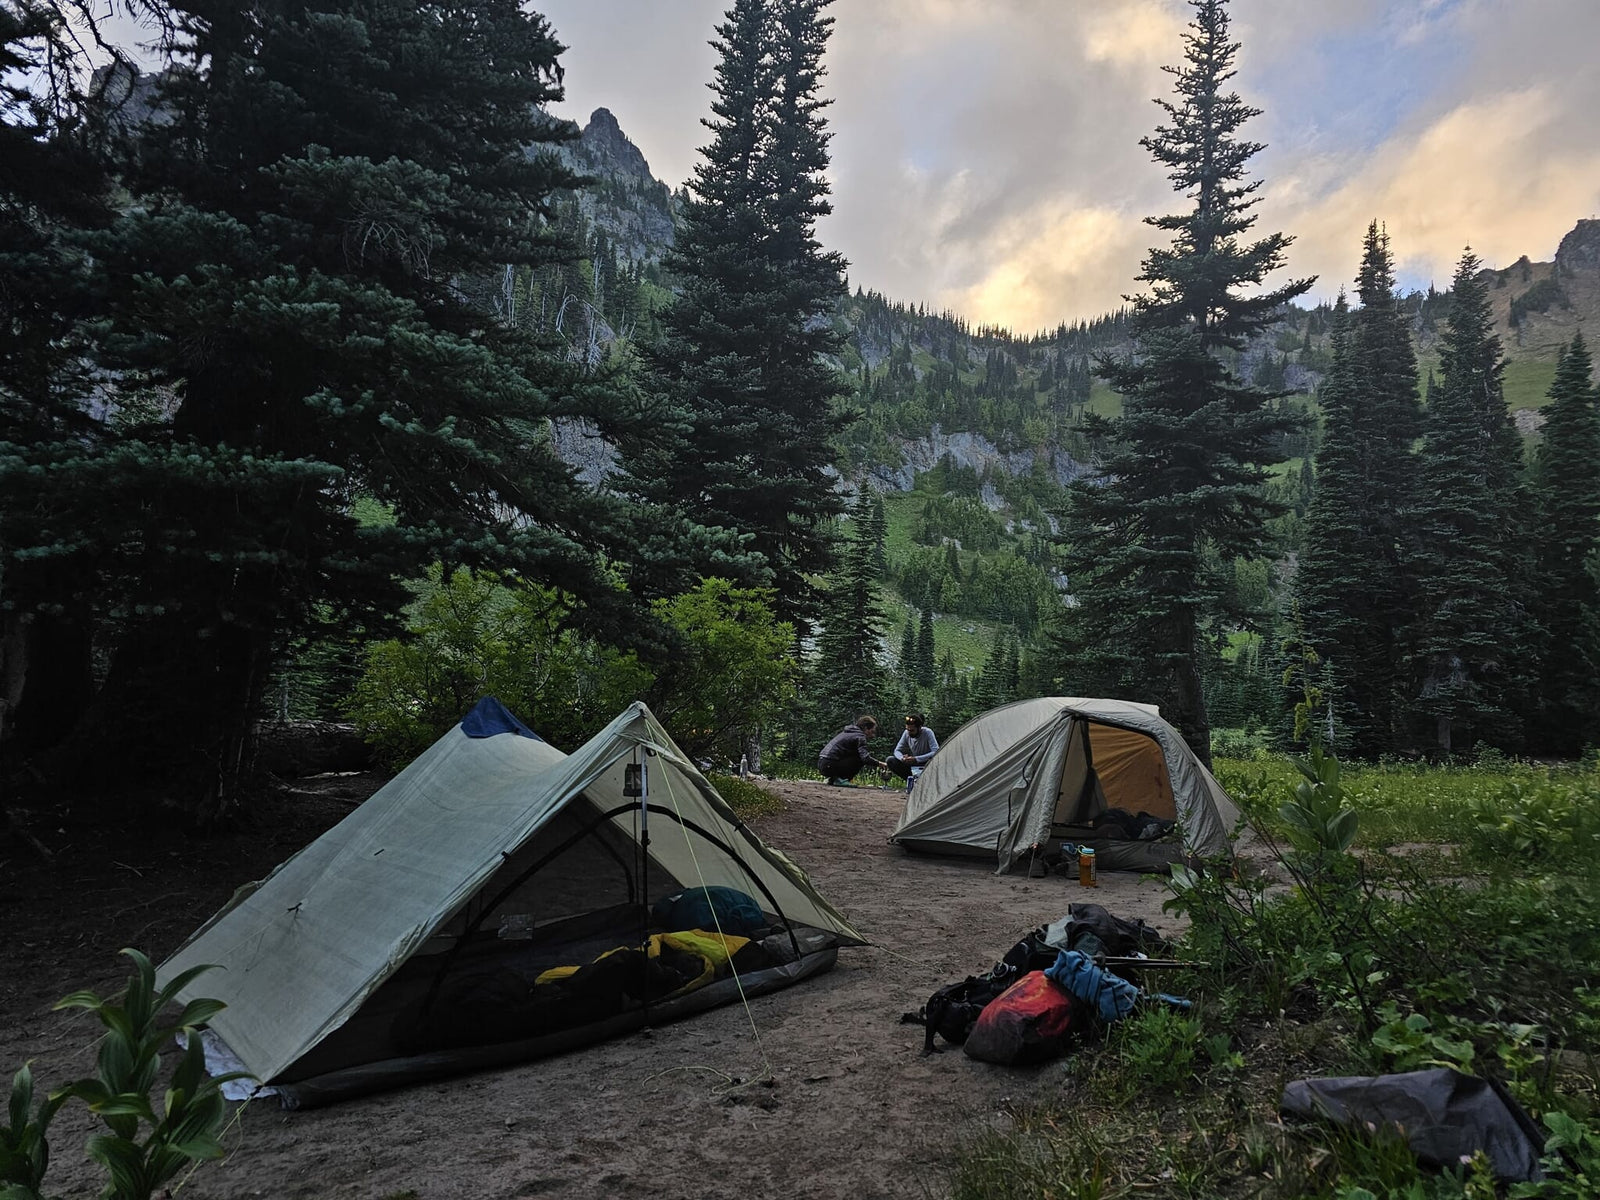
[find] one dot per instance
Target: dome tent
(447, 923)
(1047, 771)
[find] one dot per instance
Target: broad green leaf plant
(1320, 824)
(146, 1144)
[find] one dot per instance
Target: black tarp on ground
(1444, 1116)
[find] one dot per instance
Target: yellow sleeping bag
(715, 950)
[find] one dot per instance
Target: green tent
(496, 901)
(1025, 778)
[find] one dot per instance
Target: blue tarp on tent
(489, 717)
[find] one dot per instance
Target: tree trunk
(13, 667)
(13, 677)
(1189, 694)
(175, 718)
(59, 685)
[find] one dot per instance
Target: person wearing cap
(915, 747)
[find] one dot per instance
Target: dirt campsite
(816, 1090)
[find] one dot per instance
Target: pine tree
(54, 188)
(1353, 593)
(744, 357)
(1330, 582)
(908, 651)
(1183, 476)
(296, 281)
(1470, 646)
(847, 675)
(926, 660)
(1566, 493)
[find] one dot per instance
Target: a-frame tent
(470, 913)
(1025, 778)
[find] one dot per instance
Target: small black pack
(953, 1010)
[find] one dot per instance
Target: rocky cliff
(635, 209)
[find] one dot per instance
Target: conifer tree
(1186, 461)
(1328, 585)
(926, 661)
(1469, 649)
(1566, 493)
(743, 360)
(293, 281)
(53, 189)
(847, 676)
(1353, 593)
(908, 651)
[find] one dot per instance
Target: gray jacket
(921, 748)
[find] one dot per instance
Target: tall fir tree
(846, 676)
(1329, 584)
(1354, 594)
(743, 362)
(1184, 470)
(1469, 650)
(293, 284)
(54, 188)
(927, 657)
(1566, 494)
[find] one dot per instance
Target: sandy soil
(843, 1103)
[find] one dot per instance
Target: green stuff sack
(712, 908)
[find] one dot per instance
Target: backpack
(953, 1010)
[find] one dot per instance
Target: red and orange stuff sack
(1030, 1022)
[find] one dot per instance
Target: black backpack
(953, 1010)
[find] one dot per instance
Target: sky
(986, 157)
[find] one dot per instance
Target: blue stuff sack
(709, 908)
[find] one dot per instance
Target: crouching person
(843, 757)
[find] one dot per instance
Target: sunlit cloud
(1055, 260)
(986, 153)
(1138, 33)
(1483, 173)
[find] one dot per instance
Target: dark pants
(901, 767)
(847, 769)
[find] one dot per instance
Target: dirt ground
(843, 1103)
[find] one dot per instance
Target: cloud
(986, 152)
(1487, 173)
(1136, 34)
(1051, 261)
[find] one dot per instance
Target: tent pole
(644, 874)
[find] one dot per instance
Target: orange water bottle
(1088, 868)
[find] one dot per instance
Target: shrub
(733, 667)
(473, 636)
(184, 1130)
(1157, 1047)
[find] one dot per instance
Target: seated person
(843, 757)
(915, 747)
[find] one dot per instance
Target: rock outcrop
(632, 207)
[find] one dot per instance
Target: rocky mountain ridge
(634, 209)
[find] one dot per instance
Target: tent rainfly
(497, 901)
(1026, 777)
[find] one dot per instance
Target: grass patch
(748, 800)
(1477, 948)
(1527, 382)
(901, 512)
(967, 639)
(1103, 401)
